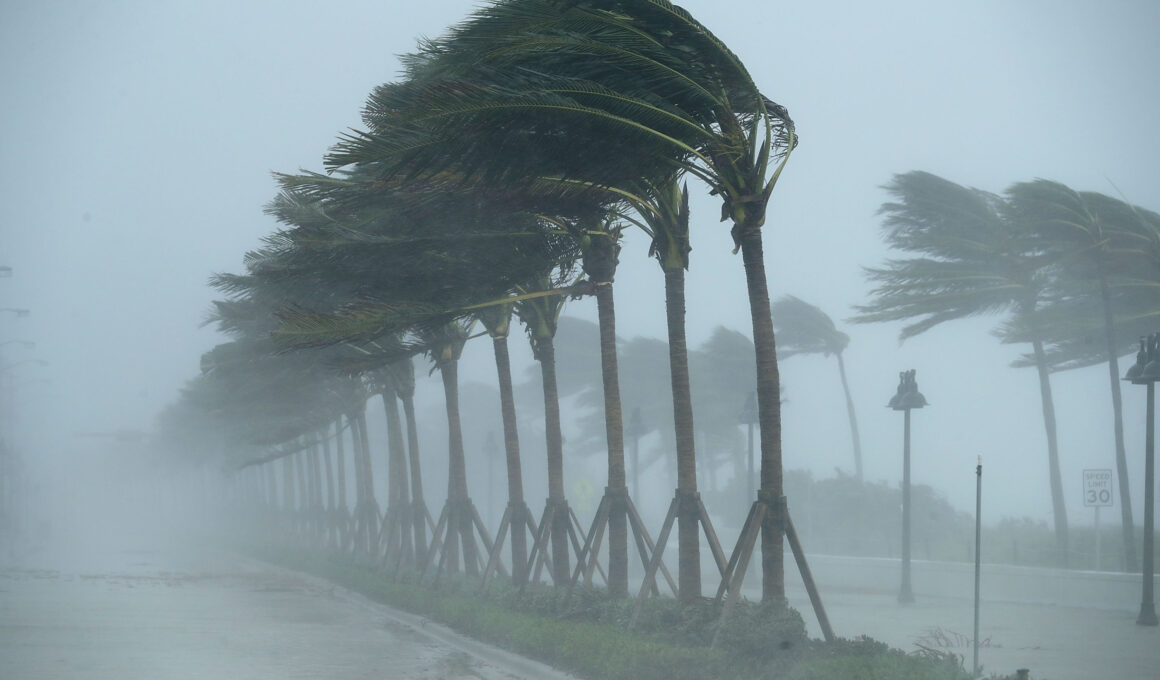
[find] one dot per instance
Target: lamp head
(907, 396)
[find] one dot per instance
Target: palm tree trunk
(315, 469)
(688, 537)
(459, 521)
(419, 508)
(303, 497)
(614, 430)
(370, 507)
(853, 418)
(768, 416)
(364, 445)
(1131, 562)
(325, 437)
(399, 500)
(340, 460)
(328, 524)
(288, 489)
(271, 488)
(343, 514)
(1059, 509)
(554, 440)
(511, 441)
(358, 514)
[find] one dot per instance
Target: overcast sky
(138, 140)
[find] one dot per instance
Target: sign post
(1097, 493)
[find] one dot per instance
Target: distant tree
(1092, 235)
(485, 104)
(970, 259)
(804, 329)
(540, 316)
(497, 320)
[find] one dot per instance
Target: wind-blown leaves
(803, 328)
(970, 262)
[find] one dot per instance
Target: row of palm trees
(1076, 274)
(494, 181)
(495, 178)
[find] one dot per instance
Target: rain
(142, 149)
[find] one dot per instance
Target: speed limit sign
(1097, 488)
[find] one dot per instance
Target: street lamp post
(1146, 371)
(906, 399)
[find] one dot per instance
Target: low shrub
(586, 632)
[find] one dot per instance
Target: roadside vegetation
(586, 631)
(493, 182)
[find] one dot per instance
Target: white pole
(1097, 538)
(978, 554)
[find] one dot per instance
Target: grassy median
(586, 633)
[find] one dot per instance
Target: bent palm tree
(540, 316)
(805, 329)
(972, 260)
(668, 224)
(1090, 231)
(517, 95)
(497, 320)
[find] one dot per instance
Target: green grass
(585, 632)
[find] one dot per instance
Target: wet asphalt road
(146, 614)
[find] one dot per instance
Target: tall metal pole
(978, 554)
(905, 399)
(905, 594)
(1098, 547)
(1147, 605)
(1146, 371)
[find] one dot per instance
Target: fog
(139, 137)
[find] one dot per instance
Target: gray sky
(138, 138)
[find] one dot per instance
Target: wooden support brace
(642, 535)
(711, 537)
(596, 537)
(583, 554)
(807, 577)
(745, 545)
(538, 555)
(576, 528)
(735, 557)
(433, 548)
(650, 571)
(493, 555)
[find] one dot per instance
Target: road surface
(148, 614)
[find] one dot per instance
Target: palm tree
(489, 104)
(667, 219)
(805, 329)
(600, 257)
(971, 260)
(540, 316)
(725, 388)
(1092, 232)
(396, 525)
(404, 373)
(517, 517)
(459, 517)
(404, 264)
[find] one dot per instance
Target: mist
(138, 146)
